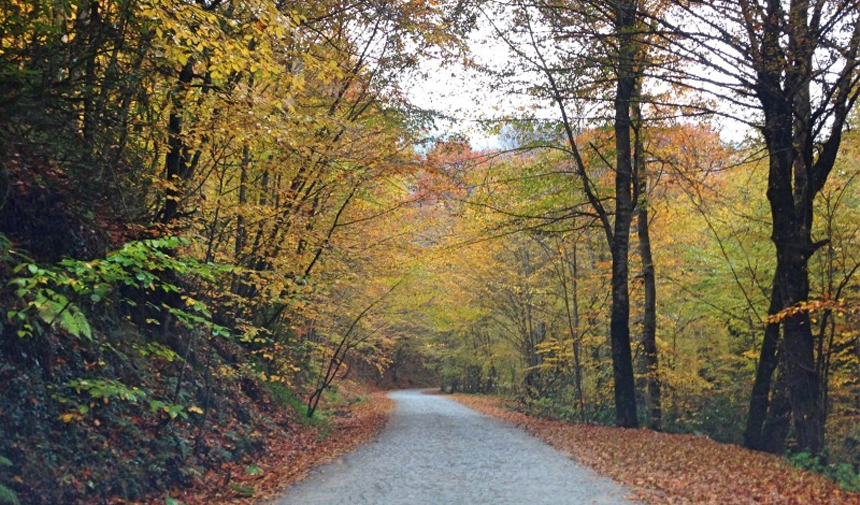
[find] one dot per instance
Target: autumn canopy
(215, 215)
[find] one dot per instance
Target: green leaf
(74, 321)
(7, 496)
(245, 491)
(253, 470)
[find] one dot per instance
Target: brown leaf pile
(289, 458)
(664, 468)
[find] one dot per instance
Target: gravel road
(436, 451)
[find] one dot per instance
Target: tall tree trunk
(624, 16)
(790, 197)
(804, 380)
(783, 55)
(571, 304)
(801, 159)
(649, 324)
(799, 346)
(649, 283)
(793, 242)
(619, 325)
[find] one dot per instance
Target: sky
(464, 95)
(467, 97)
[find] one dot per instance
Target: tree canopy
(215, 211)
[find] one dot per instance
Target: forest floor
(663, 468)
(288, 459)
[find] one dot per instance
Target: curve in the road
(436, 451)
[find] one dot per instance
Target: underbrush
(843, 474)
(121, 380)
(286, 398)
(69, 445)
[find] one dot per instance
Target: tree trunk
(619, 326)
(790, 198)
(778, 422)
(767, 363)
(176, 162)
(801, 159)
(649, 325)
(572, 306)
(624, 13)
(241, 234)
(804, 381)
(649, 283)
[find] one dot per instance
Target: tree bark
(649, 283)
(791, 234)
(767, 363)
(623, 14)
(649, 324)
(778, 421)
(619, 325)
(782, 54)
(802, 135)
(176, 161)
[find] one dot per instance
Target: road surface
(436, 451)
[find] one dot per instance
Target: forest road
(436, 451)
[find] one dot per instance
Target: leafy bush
(843, 473)
(552, 408)
(114, 362)
(54, 295)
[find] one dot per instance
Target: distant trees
(787, 69)
(711, 242)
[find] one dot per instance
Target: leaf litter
(287, 457)
(663, 468)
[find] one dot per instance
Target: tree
(794, 64)
(604, 61)
(628, 74)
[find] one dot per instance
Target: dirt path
(436, 451)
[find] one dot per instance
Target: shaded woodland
(213, 212)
